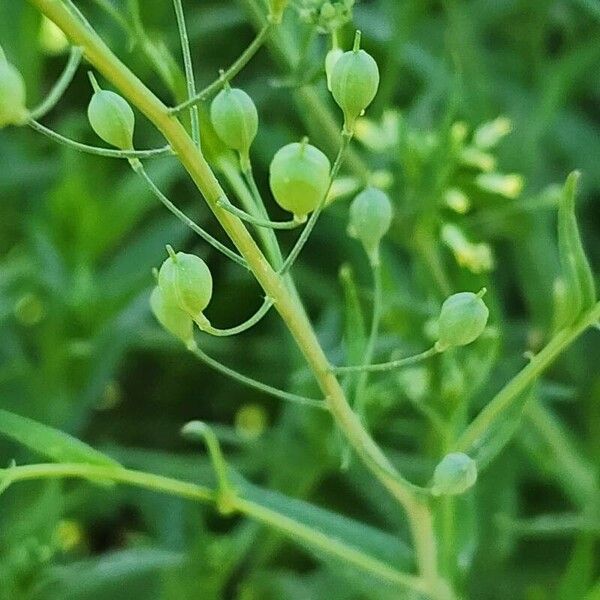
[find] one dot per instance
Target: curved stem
(268, 236)
(60, 86)
(253, 383)
(227, 493)
(204, 324)
(106, 152)
(294, 529)
(244, 216)
(388, 366)
(314, 217)
(227, 75)
(361, 386)
(189, 69)
(139, 169)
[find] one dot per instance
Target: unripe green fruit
(454, 474)
(235, 119)
(12, 95)
(354, 83)
(171, 317)
(330, 61)
(299, 178)
(370, 219)
(112, 119)
(186, 282)
(462, 319)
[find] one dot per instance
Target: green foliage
(482, 110)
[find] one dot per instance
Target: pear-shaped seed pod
(462, 319)
(186, 282)
(171, 317)
(299, 178)
(12, 95)
(112, 119)
(354, 83)
(330, 61)
(235, 119)
(370, 219)
(454, 474)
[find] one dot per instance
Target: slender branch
(360, 395)
(268, 236)
(227, 75)
(331, 546)
(314, 217)
(188, 69)
(226, 491)
(294, 529)
(105, 152)
(253, 383)
(204, 324)
(60, 86)
(244, 216)
(388, 366)
(139, 169)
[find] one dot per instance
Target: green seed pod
(12, 95)
(235, 119)
(330, 61)
(171, 317)
(186, 282)
(454, 475)
(299, 178)
(354, 83)
(370, 219)
(462, 319)
(111, 118)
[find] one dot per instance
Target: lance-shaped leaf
(49, 442)
(576, 272)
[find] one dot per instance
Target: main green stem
(107, 63)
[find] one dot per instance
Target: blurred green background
(79, 236)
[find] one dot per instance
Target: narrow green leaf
(576, 271)
(372, 541)
(49, 442)
(355, 335)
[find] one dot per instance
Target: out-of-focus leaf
(576, 271)
(108, 576)
(370, 540)
(49, 442)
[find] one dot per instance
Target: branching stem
(227, 75)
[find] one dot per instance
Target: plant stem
(253, 383)
(188, 69)
(204, 324)
(60, 86)
(388, 366)
(296, 530)
(105, 152)
(105, 61)
(259, 222)
(139, 168)
(361, 386)
(229, 74)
